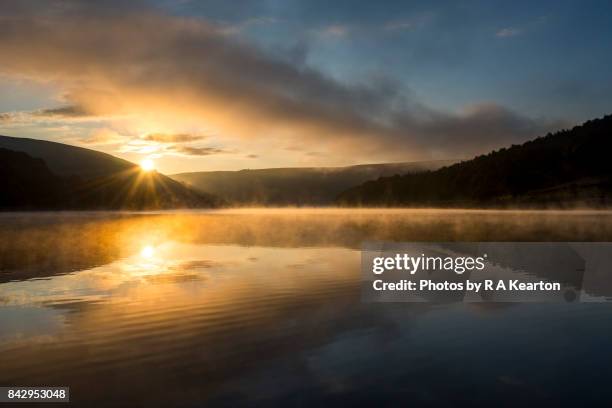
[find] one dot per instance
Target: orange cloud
(164, 69)
(172, 137)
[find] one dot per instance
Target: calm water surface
(254, 307)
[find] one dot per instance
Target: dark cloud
(480, 128)
(145, 61)
(196, 151)
(252, 156)
(70, 111)
(173, 137)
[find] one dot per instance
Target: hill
(66, 160)
(104, 182)
(133, 189)
(567, 168)
(293, 186)
(27, 183)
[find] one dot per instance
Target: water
(256, 307)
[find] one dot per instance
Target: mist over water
(249, 307)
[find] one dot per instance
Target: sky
(218, 85)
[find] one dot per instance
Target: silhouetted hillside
(66, 160)
(294, 186)
(570, 167)
(29, 183)
(133, 189)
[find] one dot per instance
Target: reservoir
(262, 306)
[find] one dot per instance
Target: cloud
(62, 114)
(145, 64)
(415, 22)
(334, 30)
(172, 137)
(252, 156)
(103, 136)
(139, 146)
(69, 111)
(398, 25)
(16, 118)
(237, 28)
(470, 131)
(508, 32)
(196, 151)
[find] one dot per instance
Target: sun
(147, 165)
(147, 252)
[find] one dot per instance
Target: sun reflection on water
(148, 261)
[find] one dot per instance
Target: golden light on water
(146, 262)
(147, 164)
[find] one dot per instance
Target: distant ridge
(568, 168)
(300, 186)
